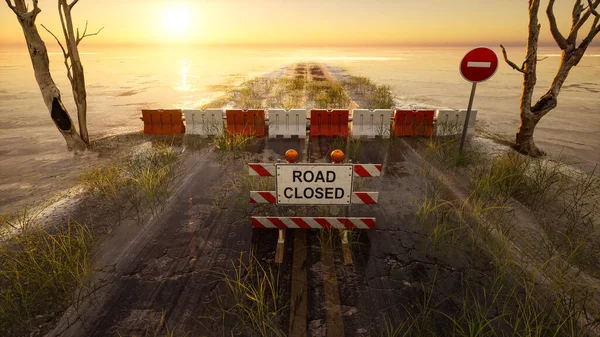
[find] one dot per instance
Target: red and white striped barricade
(316, 184)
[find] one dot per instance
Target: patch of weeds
(252, 94)
(389, 329)
(445, 151)
(141, 183)
(326, 95)
(40, 271)
(251, 302)
(288, 93)
(236, 192)
(338, 143)
(369, 94)
(230, 142)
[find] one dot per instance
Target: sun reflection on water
(184, 85)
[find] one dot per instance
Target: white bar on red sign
(270, 197)
(479, 64)
(261, 169)
(313, 222)
(367, 170)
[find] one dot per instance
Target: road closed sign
(314, 184)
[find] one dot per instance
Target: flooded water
(122, 81)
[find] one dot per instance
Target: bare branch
(57, 40)
(594, 30)
(73, 3)
(13, 8)
(558, 37)
(510, 63)
(86, 35)
(576, 26)
(85, 30)
(61, 13)
(592, 8)
(543, 58)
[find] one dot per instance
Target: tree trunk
(41, 67)
(571, 55)
(78, 79)
(524, 141)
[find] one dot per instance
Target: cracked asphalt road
(167, 267)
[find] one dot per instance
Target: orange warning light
(337, 156)
(291, 156)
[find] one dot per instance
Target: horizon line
(301, 45)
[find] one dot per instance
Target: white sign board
(314, 184)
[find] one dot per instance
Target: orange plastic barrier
(163, 122)
(413, 123)
(424, 122)
(246, 122)
(329, 123)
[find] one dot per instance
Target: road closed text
(314, 184)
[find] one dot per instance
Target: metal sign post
(466, 126)
(477, 65)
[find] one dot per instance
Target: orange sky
(297, 23)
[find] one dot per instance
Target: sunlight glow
(177, 21)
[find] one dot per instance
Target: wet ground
(169, 265)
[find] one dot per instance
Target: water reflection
(184, 85)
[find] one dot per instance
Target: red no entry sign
(479, 64)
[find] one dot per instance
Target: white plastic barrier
(287, 123)
(371, 123)
(448, 122)
(207, 122)
(472, 120)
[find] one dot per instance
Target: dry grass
(141, 183)
(369, 95)
(513, 300)
(40, 269)
(251, 301)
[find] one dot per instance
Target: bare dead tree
(73, 62)
(572, 52)
(41, 67)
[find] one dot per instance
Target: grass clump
(252, 94)
(327, 95)
(140, 183)
(288, 93)
(235, 193)
(535, 292)
(368, 94)
(251, 302)
(232, 142)
(40, 271)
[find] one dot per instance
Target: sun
(177, 21)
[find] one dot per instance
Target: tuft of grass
(327, 95)
(252, 300)
(230, 142)
(369, 94)
(141, 183)
(235, 193)
(252, 93)
(40, 271)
